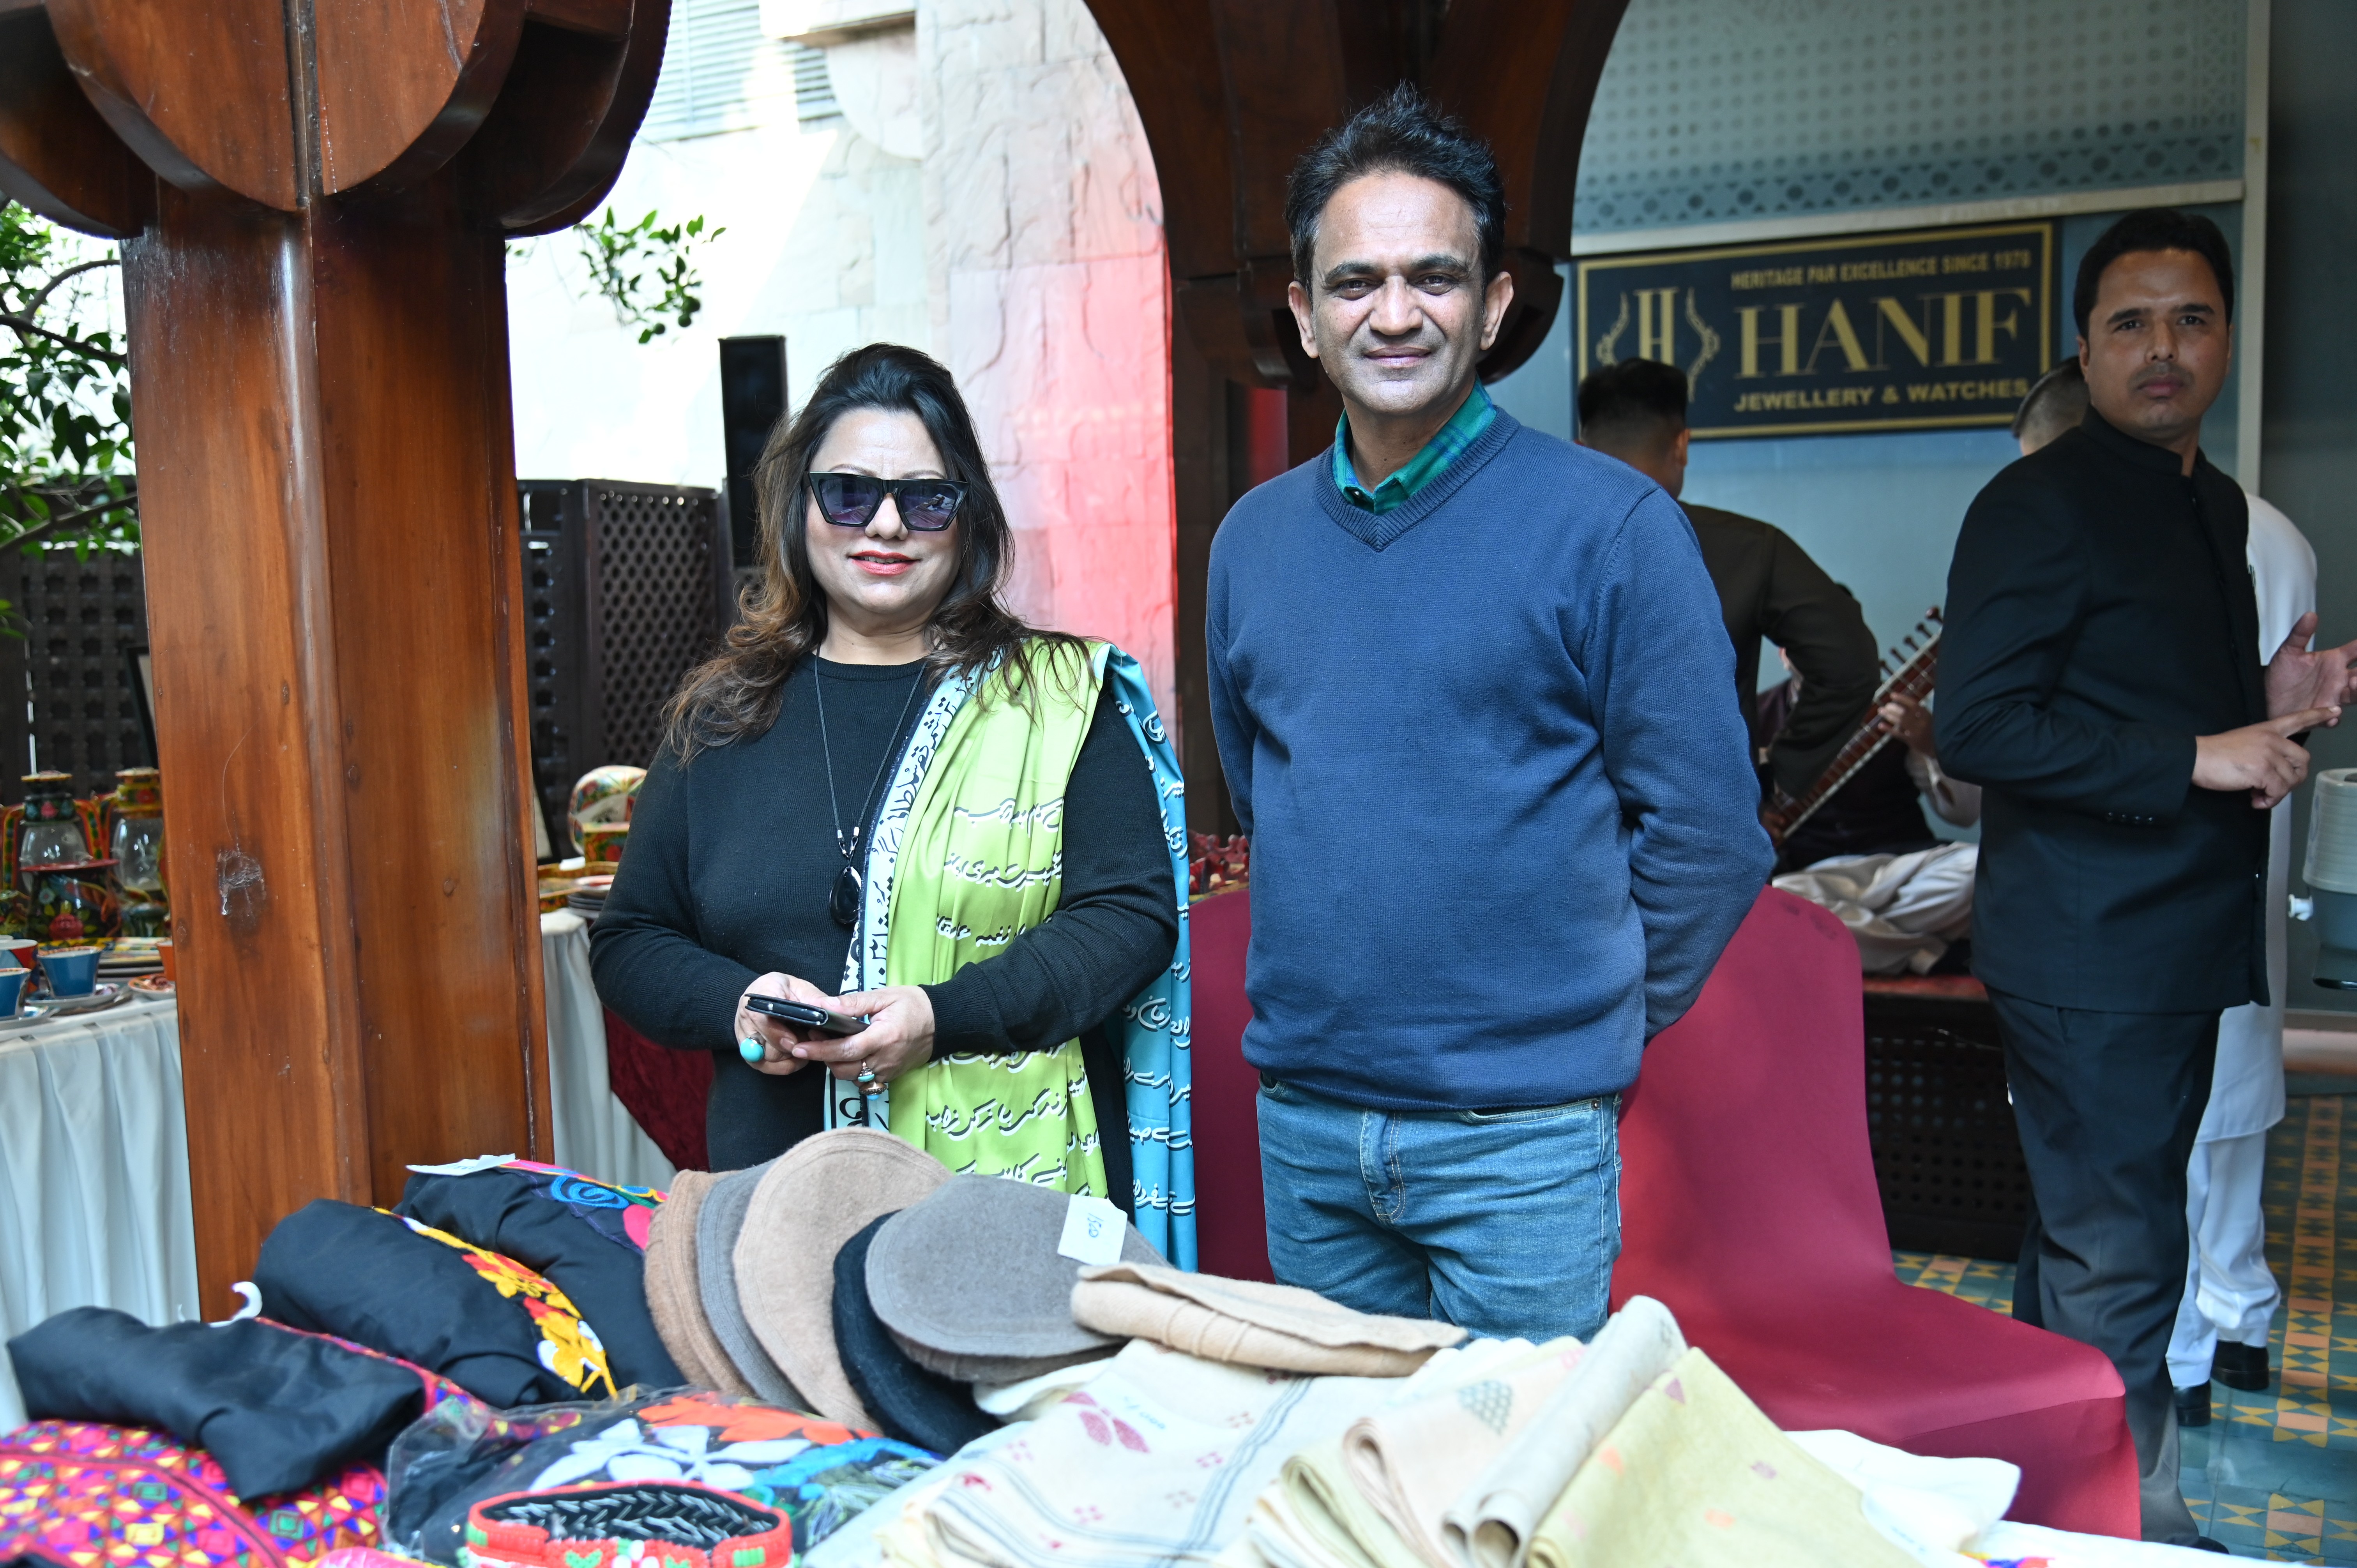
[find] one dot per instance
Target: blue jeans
(1504, 1222)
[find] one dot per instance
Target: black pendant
(843, 903)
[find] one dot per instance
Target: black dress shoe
(2204, 1543)
(2243, 1367)
(2193, 1406)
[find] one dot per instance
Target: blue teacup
(11, 990)
(72, 971)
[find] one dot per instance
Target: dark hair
(1631, 400)
(1398, 134)
(2057, 400)
(735, 693)
(2153, 228)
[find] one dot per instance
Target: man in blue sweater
(1468, 683)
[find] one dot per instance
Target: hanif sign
(1937, 329)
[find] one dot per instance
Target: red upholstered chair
(1750, 1208)
(1230, 1224)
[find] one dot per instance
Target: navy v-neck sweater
(1502, 819)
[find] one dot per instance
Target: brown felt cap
(972, 1287)
(814, 1197)
(672, 1295)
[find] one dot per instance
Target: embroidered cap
(652, 1524)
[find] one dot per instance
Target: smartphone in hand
(802, 1015)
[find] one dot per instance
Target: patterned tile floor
(2275, 1474)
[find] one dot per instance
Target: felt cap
(675, 1297)
(971, 1283)
(717, 1228)
(909, 1402)
(809, 1202)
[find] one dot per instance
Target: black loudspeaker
(752, 401)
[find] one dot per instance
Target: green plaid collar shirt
(1464, 427)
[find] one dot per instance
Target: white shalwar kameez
(2229, 1292)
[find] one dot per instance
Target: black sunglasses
(852, 500)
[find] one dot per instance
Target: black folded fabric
(276, 1410)
(570, 1229)
(497, 1329)
(911, 1403)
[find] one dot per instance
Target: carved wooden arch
(1231, 92)
(536, 101)
(313, 198)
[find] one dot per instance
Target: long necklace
(843, 900)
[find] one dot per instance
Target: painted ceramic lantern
(603, 799)
(137, 810)
(65, 889)
(52, 834)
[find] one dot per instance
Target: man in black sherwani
(2096, 680)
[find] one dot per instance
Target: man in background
(2230, 1292)
(2098, 681)
(1635, 410)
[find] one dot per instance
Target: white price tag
(1093, 1230)
(465, 1168)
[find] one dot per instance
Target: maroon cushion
(1750, 1208)
(664, 1090)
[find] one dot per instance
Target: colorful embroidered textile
(496, 1328)
(966, 854)
(814, 1473)
(79, 1495)
(587, 1237)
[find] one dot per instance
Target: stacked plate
(130, 956)
(588, 895)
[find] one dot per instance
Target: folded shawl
(1248, 1324)
(1694, 1474)
(1156, 1461)
(1492, 1522)
(1412, 1461)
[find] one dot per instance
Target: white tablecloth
(94, 1204)
(93, 1173)
(594, 1134)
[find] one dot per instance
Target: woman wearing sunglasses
(889, 797)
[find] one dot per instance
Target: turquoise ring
(750, 1048)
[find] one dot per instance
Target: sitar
(1784, 812)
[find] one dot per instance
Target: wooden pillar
(313, 205)
(1231, 92)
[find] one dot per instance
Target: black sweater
(726, 876)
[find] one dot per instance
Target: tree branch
(39, 532)
(76, 344)
(33, 306)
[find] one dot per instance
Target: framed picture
(143, 686)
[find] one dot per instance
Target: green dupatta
(968, 853)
